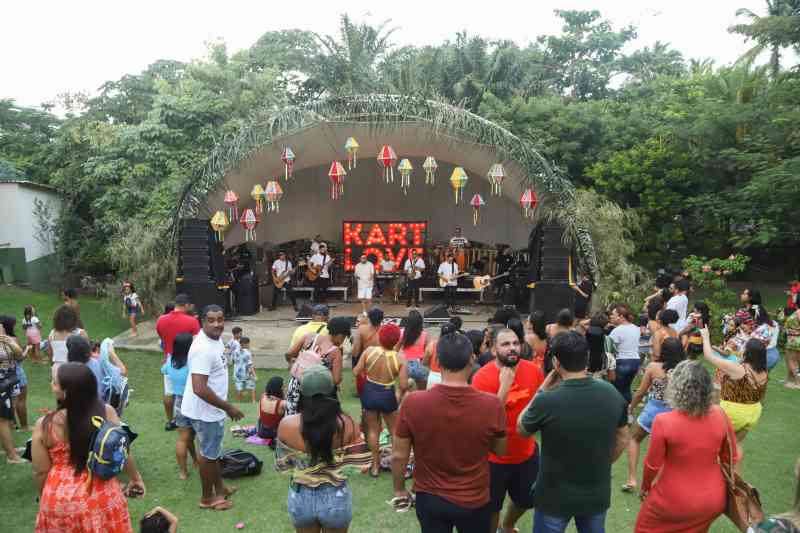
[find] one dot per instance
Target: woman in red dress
(685, 450)
(69, 504)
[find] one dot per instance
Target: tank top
(271, 420)
(416, 350)
(60, 346)
(744, 390)
(375, 355)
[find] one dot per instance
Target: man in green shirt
(583, 428)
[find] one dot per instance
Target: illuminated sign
(383, 240)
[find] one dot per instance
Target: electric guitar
(481, 282)
(280, 281)
(444, 280)
(314, 271)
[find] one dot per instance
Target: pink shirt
(416, 350)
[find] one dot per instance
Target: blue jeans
(626, 371)
(543, 523)
(327, 505)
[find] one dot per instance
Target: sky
(50, 47)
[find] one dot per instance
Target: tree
(778, 30)
(24, 131)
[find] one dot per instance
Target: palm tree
(775, 8)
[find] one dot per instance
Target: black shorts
(516, 480)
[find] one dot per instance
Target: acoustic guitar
(314, 271)
(444, 280)
(481, 282)
(280, 281)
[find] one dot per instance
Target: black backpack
(239, 463)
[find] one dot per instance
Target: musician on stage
(282, 278)
(458, 241)
(365, 278)
(448, 273)
(321, 262)
(386, 268)
(413, 267)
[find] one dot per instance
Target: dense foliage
(705, 158)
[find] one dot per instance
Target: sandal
(219, 505)
(628, 488)
(374, 473)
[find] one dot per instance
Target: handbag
(743, 507)
(307, 358)
(8, 380)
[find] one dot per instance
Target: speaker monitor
(552, 297)
(304, 313)
(436, 313)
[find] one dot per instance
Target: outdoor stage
(270, 331)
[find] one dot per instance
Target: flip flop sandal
(219, 505)
(628, 488)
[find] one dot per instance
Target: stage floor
(271, 331)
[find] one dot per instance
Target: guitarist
(282, 277)
(448, 272)
(321, 262)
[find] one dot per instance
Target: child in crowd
(33, 333)
(131, 305)
(271, 409)
(158, 520)
(243, 371)
(233, 346)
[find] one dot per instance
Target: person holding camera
(10, 353)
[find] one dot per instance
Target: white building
(28, 213)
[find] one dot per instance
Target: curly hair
(689, 388)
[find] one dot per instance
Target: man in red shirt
(168, 327)
(514, 381)
(452, 428)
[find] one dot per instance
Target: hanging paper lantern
(233, 203)
(430, 165)
(405, 167)
(528, 201)
(219, 222)
(337, 174)
(458, 180)
(287, 156)
(258, 195)
(387, 158)
(248, 220)
(476, 203)
(351, 146)
(273, 194)
(496, 176)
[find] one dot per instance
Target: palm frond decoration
(382, 112)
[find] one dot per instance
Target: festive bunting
(273, 194)
(351, 146)
(405, 167)
(496, 175)
(387, 158)
(248, 220)
(258, 195)
(528, 201)
(233, 203)
(430, 165)
(219, 222)
(458, 180)
(337, 174)
(287, 156)
(476, 203)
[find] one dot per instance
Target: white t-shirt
(279, 267)
(131, 300)
(680, 304)
(314, 247)
(626, 339)
(365, 273)
(320, 260)
(387, 266)
(459, 242)
(449, 270)
(419, 263)
(59, 347)
(206, 357)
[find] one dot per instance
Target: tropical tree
(778, 30)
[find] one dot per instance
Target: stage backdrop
(307, 209)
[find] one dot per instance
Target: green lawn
(261, 503)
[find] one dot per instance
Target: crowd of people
(519, 415)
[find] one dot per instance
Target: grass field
(771, 451)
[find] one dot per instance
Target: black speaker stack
(201, 269)
(550, 272)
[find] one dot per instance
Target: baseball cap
(320, 310)
(316, 380)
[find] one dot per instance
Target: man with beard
(205, 405)
(514, 381)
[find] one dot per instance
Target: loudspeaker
(202, 293)
(304, 313)
(552, 297)
(247, 295)
(436, 313)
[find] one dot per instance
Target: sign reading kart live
(383, 240)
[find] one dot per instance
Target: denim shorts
(180, 420)
(245, 384)
(327, 505)
(648, 414)
(210, 435)
(416, 370)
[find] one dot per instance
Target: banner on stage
(382, 240)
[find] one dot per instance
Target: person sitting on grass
(271, 409)
(243, 371)
(158, 520)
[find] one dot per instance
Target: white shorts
(365, 293)
(167, 387)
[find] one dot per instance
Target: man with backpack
(205, 405)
